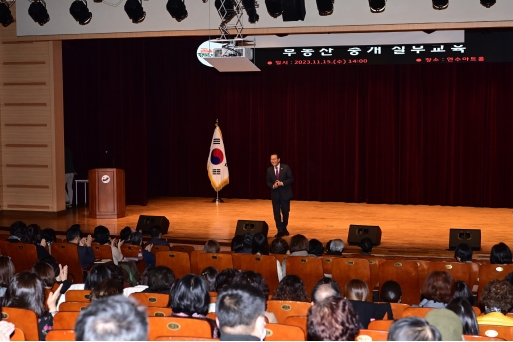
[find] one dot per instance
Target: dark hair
(291, 287)
(500, 254)
(136, 238)
(357, 289)
(438, 286)
(225, 279)
(45, 272)
(463, 291)
(211, 246)
(463, 252)
(391, 292)
(32, 234)
(25, 291)
(239, 306)
(461, 307)
(52, 262)
(125, 233)
(279, 246)
(7, 270)
(49, 235)
(108, 287)
(114, 318)
(275, 154)
(413, 328)
(73, 232)
(209, 274)
(96, 275)
(366, 245)
(254, 279)
(237, 243)
(160, 279)
(18, 229)
(155, 231)
(101, 235)
(332, 319)
(247, 240)
(497, 294)
(190, 295)
(298, 243)
(315, 247)
(325, 287)
(260, 245)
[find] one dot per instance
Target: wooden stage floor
(405, 228)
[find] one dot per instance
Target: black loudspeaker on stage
(472, 237)
(250, 226)
(358, 232)
(146, 222)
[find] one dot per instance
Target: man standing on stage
(279, 179)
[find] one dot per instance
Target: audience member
(33, 236)
(240, 313)
(108, 287)
(60, 272)
(190, 298)
(335, 247)
(26, 291)
(463, 253)
(49, 235)
(357, 292)
(247, 241)
(463, 291)
(279, 246)
(437, 290)
(17, 231)
(225, 279)
(500, 254)
(366, 245)
(209, 274)
(97, 274)
(156, 237)
(260, 245)
(256, 280)
(461, 307)
(497, 300)
(315, 247)
(298, 247)
(291, 287)
(46, 272)
(391, 292)
(159, 279)
(357, 289)
(332, 319)
(413, 328)
(211, 246)
(324, 288)
(85, 252)
(136, 239)
(237, 245)
(113, 318)
(102, 236)
(125, 233)
(7, 271)
(447, 323)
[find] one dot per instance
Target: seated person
(292, 288)
(324, 288)
(156, 237)
(279, 246)
(159, 279)
(463, 253)
(413, 328)
(102, 236)
(33, 236)
(17, 231)
(500, 254)
(335, 247)
(497, 299)
(315, 247)
(437, 290)
(211, 246)
(332, 319)
(366, 246)
(85, 252)
(391, 292)
(124, 234)
(357, 292)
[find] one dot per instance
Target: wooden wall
(32, 124)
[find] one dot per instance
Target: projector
(237, 51)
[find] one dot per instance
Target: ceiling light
(80, 12)
(440, 4)
(135, 11)
(177, 9)
(274, 8)
(37, 11)
(377, 6)
(5, 13)
(488, 3)
(249, 5)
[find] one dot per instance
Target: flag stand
(217, 199)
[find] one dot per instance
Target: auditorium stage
(407, 229)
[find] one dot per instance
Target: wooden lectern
(107, 193)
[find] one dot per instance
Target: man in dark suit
(279, 179)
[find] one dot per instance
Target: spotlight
(377, 6)
(5, 14)
(225, 9)
(37, 11)
(135, 11)
(325, 7)
(177, 9)
(274, 8)
(249, 5)
(80, 12)
(440, 4)
(488, 3)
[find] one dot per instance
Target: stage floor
(406, 227)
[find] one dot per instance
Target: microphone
(110, 156)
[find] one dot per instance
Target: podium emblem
(105, 179)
